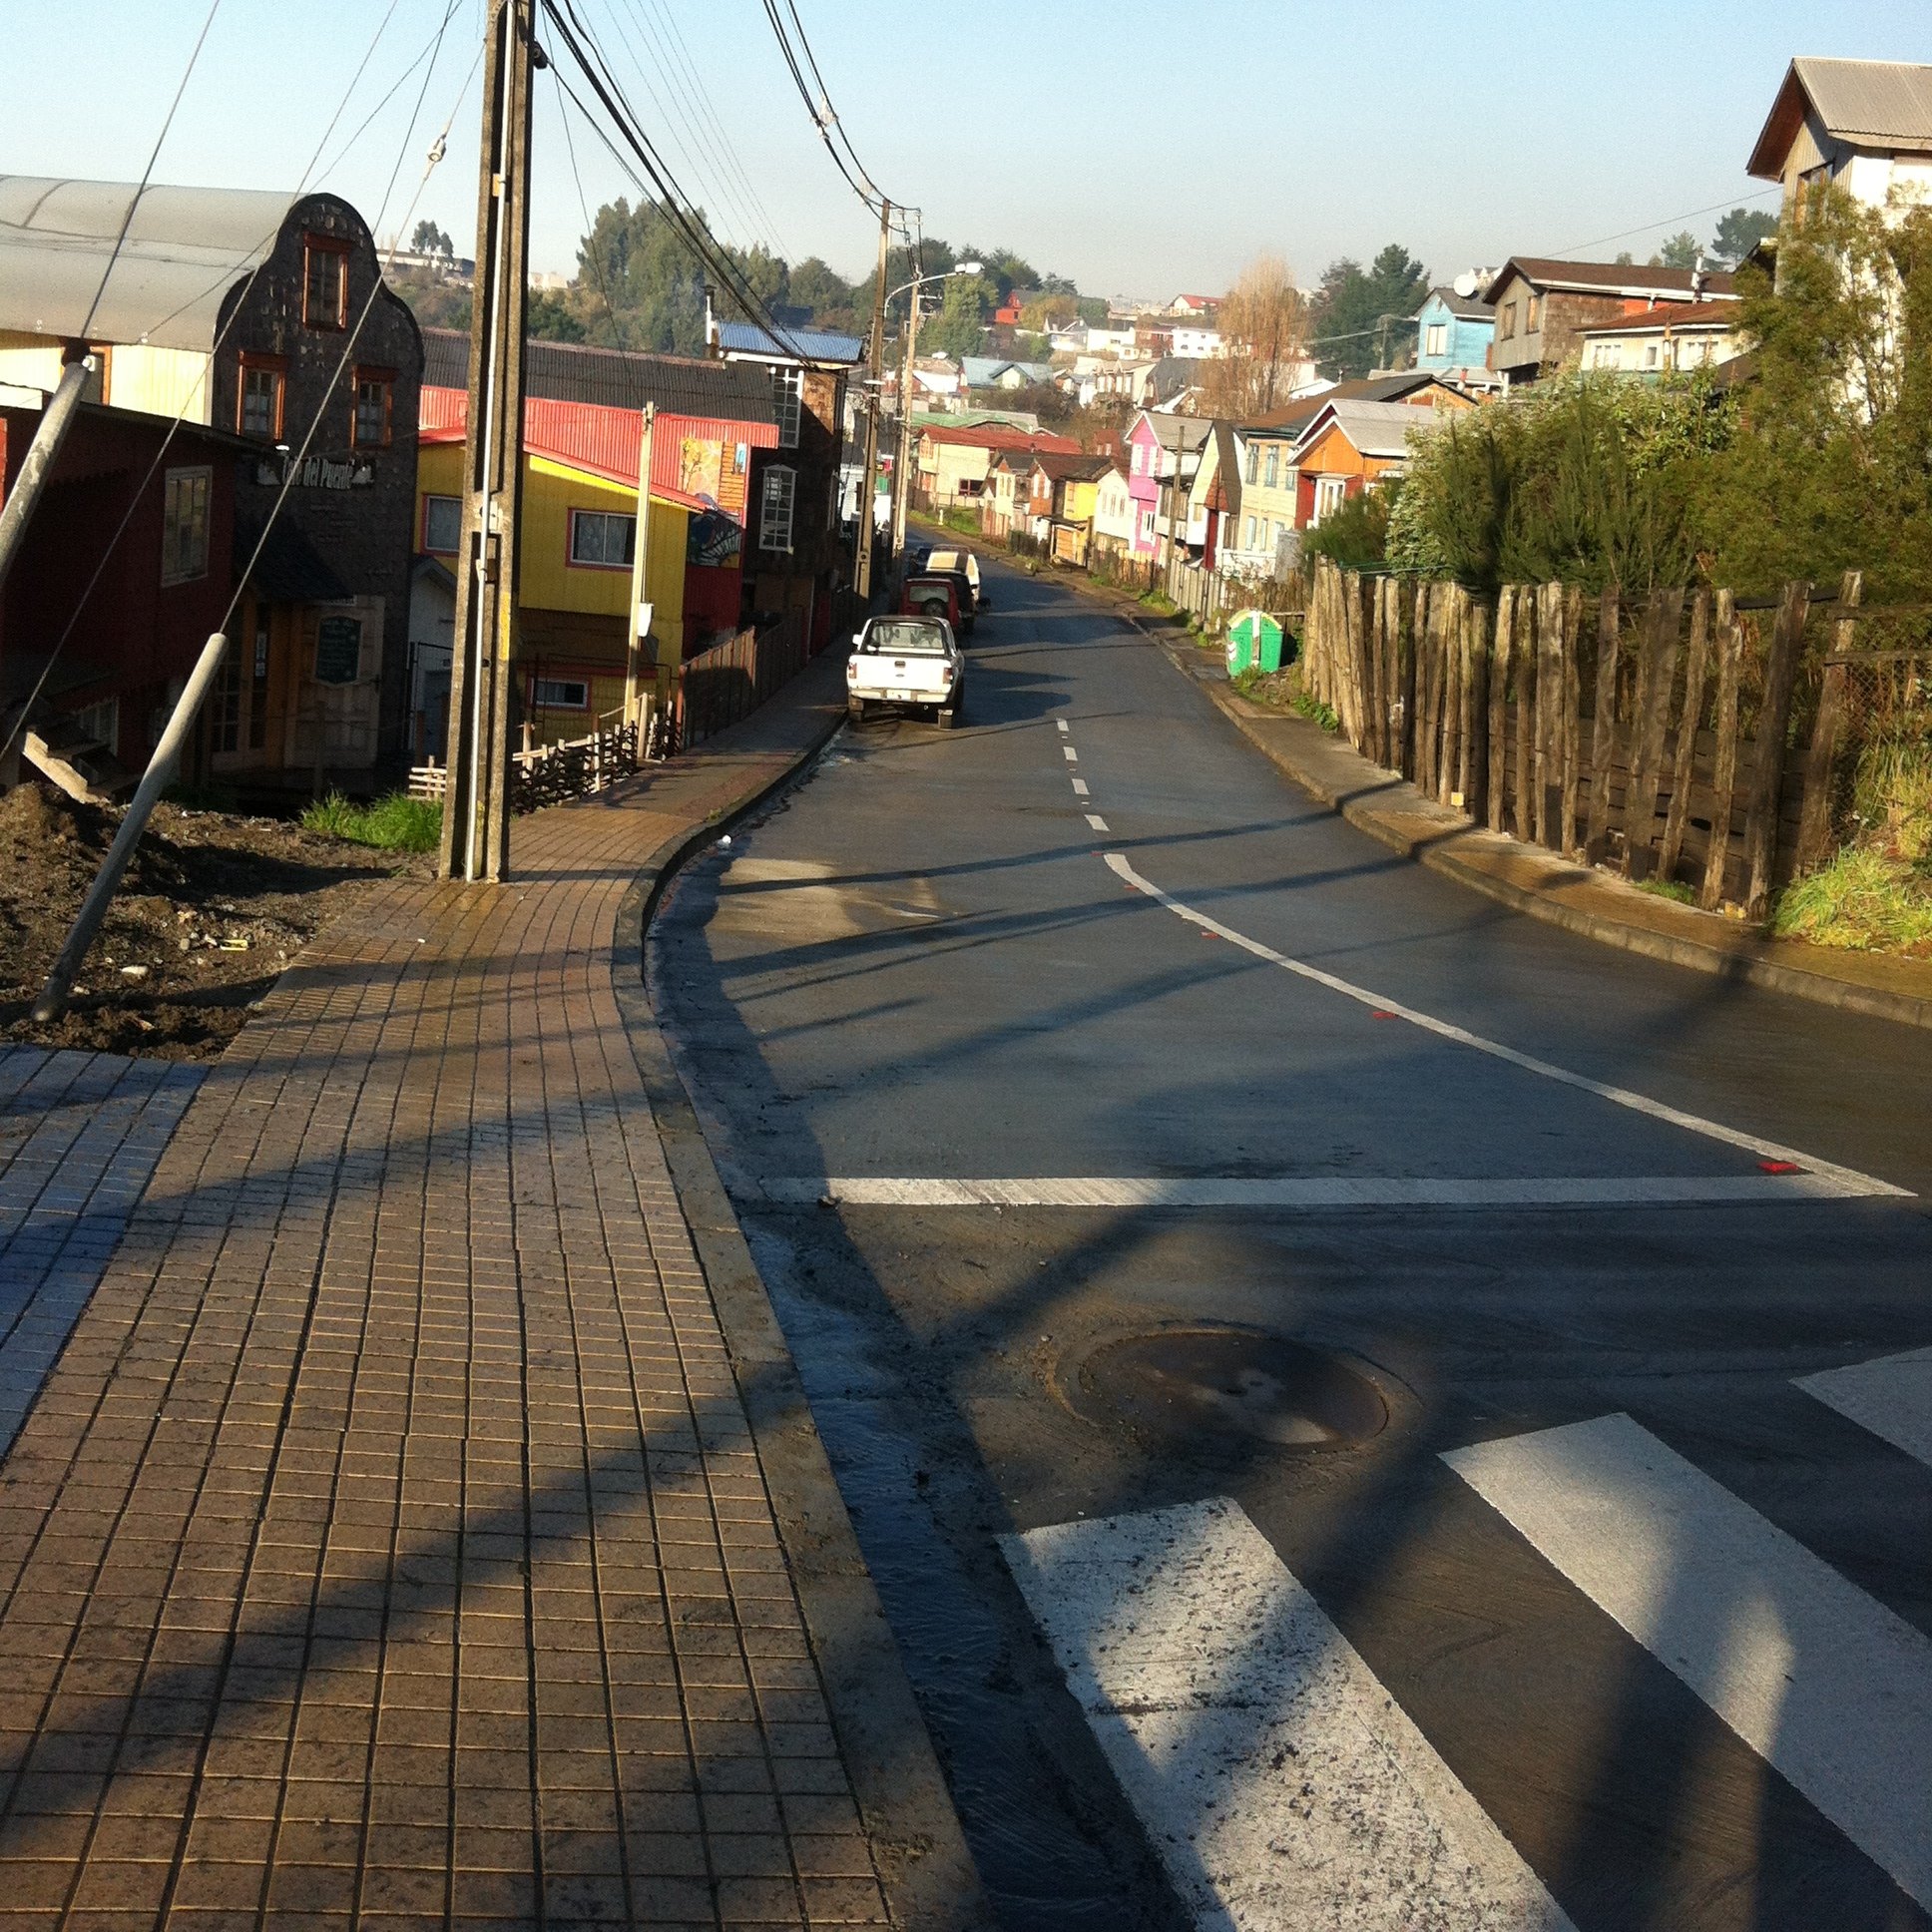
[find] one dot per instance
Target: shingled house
(1542, 307)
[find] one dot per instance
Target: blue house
(1453, 333)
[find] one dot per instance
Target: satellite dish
(1466, 283)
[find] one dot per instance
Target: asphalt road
(1315, 1359)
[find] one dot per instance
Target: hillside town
(912, 1099)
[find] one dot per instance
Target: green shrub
(1355, 533)
(1863, 901)
(397, 823)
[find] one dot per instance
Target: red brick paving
(389, 1546)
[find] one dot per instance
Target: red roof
(602, 441)
(1003, 436)
(1720, 314)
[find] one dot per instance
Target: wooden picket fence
(719, 686)
(1686, 735)
(549, 773)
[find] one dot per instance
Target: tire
(855, 708)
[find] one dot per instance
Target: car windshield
(903, 635)
(951, 559)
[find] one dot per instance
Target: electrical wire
(147, 173)
(824, 118)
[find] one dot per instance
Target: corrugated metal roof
(815, 345)
(1607, 277)
(999, 436)
(1376, 428)
(1868, 104)
(1467, 309)
(185, 249)
(615, 378)
(602, 442)
(1672, 315)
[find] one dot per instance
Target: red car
(931, 596)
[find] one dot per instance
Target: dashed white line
(1829, 1686)
(1063, 726)
(1281, 1783)
(1097, 821)
(1892, 1397)
(1067, 753)
(1080, 787)
(1841, 1180)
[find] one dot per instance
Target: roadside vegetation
(397, 823)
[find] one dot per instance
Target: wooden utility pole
(868, 476)
(476, 805)
(901, 474)
(640, 608)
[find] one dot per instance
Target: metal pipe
(55, 421)
(158, 775)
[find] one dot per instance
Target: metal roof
(614, 378)
(1467, 309)
(813, 344)
(1376, 428)
(1867, 104)
(1608, 278)
(1670, 317)
(185, 249)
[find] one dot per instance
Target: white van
(961, 560)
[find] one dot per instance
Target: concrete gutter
(1546, 886)
(923, 1862)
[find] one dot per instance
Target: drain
(1187, 1382)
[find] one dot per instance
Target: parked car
(932, 595)
(906, 661)
(962, 560)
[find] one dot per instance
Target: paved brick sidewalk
(389, 1545)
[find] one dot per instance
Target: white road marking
(1062, 722)
(1067, 753)
(1298, 1190)
(1080, 787)
(1281, 1783)
(1822, 1681)
(1892, 1397)
(1846, 1181)
(1097, 821)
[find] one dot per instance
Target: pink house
(1157, 446)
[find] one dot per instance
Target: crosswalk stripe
(1848, 1181)
(1819, 1678)
(1892, 1397)
(1281, 1783)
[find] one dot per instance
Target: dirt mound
(213, 908)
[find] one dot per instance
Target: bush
(1355, 535)
(397, 823)
(1863, 901)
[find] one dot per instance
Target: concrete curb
(1394, 813)
(924, 1866)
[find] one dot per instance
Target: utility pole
(641, 607)
(1173, 494)
(42, 453)
(868, 476)
(476, 805)
(902, 469)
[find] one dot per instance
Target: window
(1532, 314)
(1506, 322)
(1650, 355)
(228, 702)
(374, 391)
(560, 694)
(1274, 475)
(1330, 491)
(788, 387)
(259, 690)
(259, 405)
(184, 525)
(1435, 340)
(99, 723)
(1147, 524)
(325, 282)
(602, 540)
(442, 533)
(1603, 356)
(1249, 545)
(1253, 461)
(775, 507)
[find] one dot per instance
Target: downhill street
(1356, 1401)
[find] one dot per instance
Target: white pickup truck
(906, 661)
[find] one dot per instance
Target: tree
(1358, 314)
(817, 288)
(1739, 232)
(551, 319)
(1048, 312)
(430, 240)
(1682, 250)
(960, 325)
(1264, 335)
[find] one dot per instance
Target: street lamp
(901, 474)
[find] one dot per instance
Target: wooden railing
(719, 686)
(546, 774)
(1686, 736)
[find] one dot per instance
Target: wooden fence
(717, 687)
(1688, 735)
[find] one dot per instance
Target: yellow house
(575, 558)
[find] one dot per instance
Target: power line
(825, 119)
(1597, 240)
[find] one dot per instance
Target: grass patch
(1668, 889)
(1863, 901)
(1312, 708)
(397, 823)
(1158, 601)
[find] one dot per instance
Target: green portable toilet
(1253, 643)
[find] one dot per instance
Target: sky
(1143, 148)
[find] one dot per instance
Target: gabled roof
(186, 247)
(615, 378)
(1885, 105)
(1376, 428)
(1287, 423)
(1467, 309)
(1676, 316)
(980, 371)
(998, 436)
(602, 442)
(1185, 433)
(1606, 278)
(814, 344)
(1078, 467)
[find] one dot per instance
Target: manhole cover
(1229, 1382)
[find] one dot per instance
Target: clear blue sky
(1080, 137)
